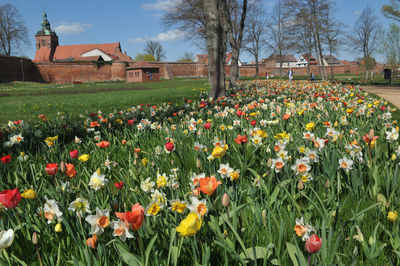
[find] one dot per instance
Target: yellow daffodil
(153, 208)
(145, 161)
(50, 141)
(190, 225)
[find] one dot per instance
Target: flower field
(277, 173)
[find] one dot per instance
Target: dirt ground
(390, 93)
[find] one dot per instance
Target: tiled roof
(141, 64)
(75, 51)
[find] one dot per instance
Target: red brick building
(142, 72)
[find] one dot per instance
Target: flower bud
(35, 238)
(58, 228)
(264, 219)
(300, 185)
(63, 167)
(269, 162)
(327, 183)
(195, 192)
(225, 200)
(198, 163)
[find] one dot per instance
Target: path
(390, 93)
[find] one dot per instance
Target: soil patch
(389, 93)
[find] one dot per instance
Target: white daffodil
(97, 180)
(120, 230)
(346, 164)
(80, 206)
(147, 185)
(392, 135)
(197, 206)
(51, 211)
(99, 221)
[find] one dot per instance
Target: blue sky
(132, 22)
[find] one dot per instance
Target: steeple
(46, 30)
(46, 41)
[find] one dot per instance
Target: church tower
(46, 41)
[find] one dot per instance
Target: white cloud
(159, 5)
(171, 35)
(357, 12)
(137, 40)
(71, 28)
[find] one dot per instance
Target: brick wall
(11, 69)
(61, 73)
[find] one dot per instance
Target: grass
(26, 101)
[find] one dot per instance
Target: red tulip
(131, 122)
(253, 123)
(207, 125)
(169, 146)
(119, 185)
(51, 169)
(6, 159)
(313, 244)
(241, 139)
(103, 144)
(10, 198)
(71, 172)
(239, 113)
(74, 154)
(134, 218)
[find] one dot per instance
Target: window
(136, 74)
(43, 43)
(130, 74)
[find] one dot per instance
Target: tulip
(119, 185)
(29, 194)
(92, 241)
(313, 244)
(6, 238)
(6, 159)
(51, 169)
(74, 154)
(103, 144)
(190, 225)
(35, 239)
(253, 123)
(71, 172)
(63, 168)
(134, 218)
(208, 185)
(10, 198)
(207, 125)
(392, 216)
(58, 227)
(169, 146)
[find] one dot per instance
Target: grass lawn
(26, 101)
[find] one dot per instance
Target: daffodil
(80, 206)
(97, 180)
(392, 216)
(178, 206)
(121, 230)
(99, 221)
(154, 208)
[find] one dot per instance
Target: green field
(26, 101)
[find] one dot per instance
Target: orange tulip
(92, 241)
(103, 144)
(134, 218)
(208, 185)
(71, 172)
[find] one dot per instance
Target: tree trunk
(234, 67)
(216, 45)
(257, 69)
(309, 68)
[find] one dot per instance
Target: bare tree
(187, 57)
(155, 48)
(364, 37)
(392, 11)
(254, 38)
(332, 34)
(13, 32)
(390, 46)
(214, 11)
(187, 16)
(313, 13)
(277, 36)
(235, 25)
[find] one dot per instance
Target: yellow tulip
(83, 157)
(310, 126)
(219, 151)
(392, 216)
(58, 228)
(28, 194)
(190, 225)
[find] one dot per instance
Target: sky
(133, 22)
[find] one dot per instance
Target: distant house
(228, 59)
(305, 60)
(331, 60)
(274, 61)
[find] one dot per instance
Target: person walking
(313, 77)
(290, 74)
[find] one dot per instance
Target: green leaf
(261, 253)
(274, 195)
(149, 247)
(127, 257)
(292, 250)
